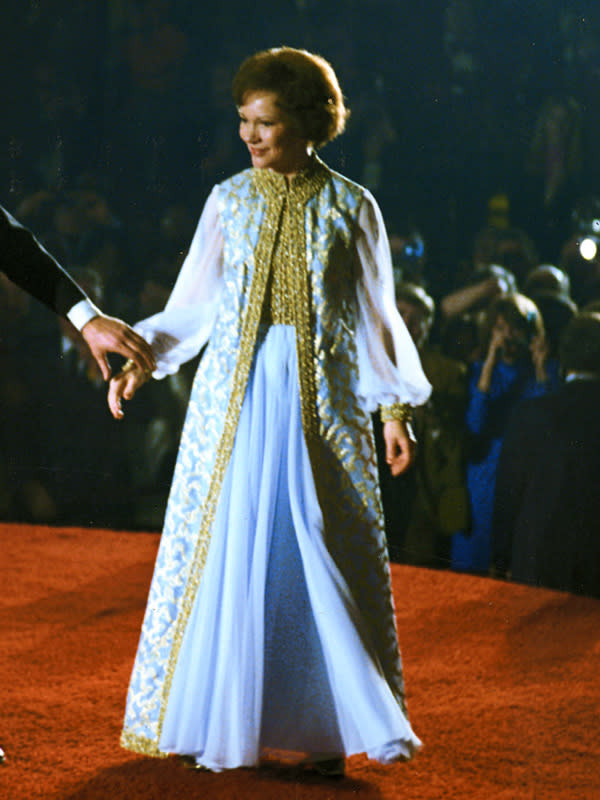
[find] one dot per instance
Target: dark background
(117, 121)
(138, 94)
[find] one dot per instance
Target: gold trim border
(263, 255)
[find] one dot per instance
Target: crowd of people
(521, 365)
(490, 273)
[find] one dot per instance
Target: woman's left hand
(400, 445)
(122, 387)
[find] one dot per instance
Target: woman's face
(269, 135)
(514, 340)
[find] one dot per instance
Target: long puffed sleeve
(178, 333)
(389, 365)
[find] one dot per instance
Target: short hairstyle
(579, 348)
(306, 86)
(416, 296)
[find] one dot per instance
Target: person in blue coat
(516, 366)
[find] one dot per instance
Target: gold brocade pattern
(279, 306)
(289, 300)
(296, 240)
(350, 497)
(402, 412)
(141, 745)
(263, 256)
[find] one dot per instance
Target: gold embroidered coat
(312, 254)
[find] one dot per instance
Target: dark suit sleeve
(32, 268)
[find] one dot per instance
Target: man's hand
(109, 335)
(400, 445)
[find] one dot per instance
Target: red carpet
(502, 685)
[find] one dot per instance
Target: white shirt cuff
(82, 313)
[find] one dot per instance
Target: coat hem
(141, 745)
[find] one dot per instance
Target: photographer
(516, 366)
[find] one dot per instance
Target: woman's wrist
(402, 412)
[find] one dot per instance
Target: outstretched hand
(400, 445)
(109, 335)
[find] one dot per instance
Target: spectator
(461, 338)
(484, 285)
(546, 528)
(557, 310)
(547, 278)
(549, 287)
(515, 367)
(431, 499)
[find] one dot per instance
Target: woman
(270, 623)
(516, 366)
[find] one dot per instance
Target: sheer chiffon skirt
(272, 658)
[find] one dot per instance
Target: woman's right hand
(122, 387)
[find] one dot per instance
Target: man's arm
(33, 269)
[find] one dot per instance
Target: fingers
(399, 447)
(399, 464)
(115, 394)
(123, 387)
(102, 362)
(400, 460)
(138, 350)
(108, 335)
(396, 457)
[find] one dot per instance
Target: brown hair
(519, 311)
(306, 86)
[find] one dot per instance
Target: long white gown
(276, 654)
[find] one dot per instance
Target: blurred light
(588, 248)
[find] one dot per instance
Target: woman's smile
(269, 135)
